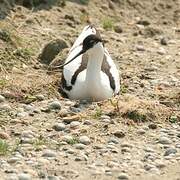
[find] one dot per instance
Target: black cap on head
(90, 41)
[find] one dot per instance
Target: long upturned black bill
(61, 66)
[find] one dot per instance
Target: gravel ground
(135, 135)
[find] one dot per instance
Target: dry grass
(25, 84)
(138, 110)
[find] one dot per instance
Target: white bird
(89, 73)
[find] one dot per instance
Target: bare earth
(135, 135)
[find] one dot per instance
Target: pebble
(140, 48)
(152, 126)
(79, 146)
(164, 140)
(161, 51)
(84, 140)
(24, 176)
(40, 97)
(123, 176)
(141, 131)
(49, 153)
(67, 138)
(54, 178)
(164, 41)
(22, 114)
(59, 127)
(5, 107)
(13, 160)
(55, 105)
(2, 98)
(4, 135)
(170, 151)
(87, 122)
(118, 28)
(119, 134)
(74, 124)
(113, 140)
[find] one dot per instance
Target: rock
(87, 122)
(118, 28)
(67, 138)
(80, 146)
(24, 176)
(59, 127)
(161, 51)
(140, 48)
(84, 140)
(54, 178)
(126, 144)
(152, 126)
(49, 153)
(143, 22)
(2, 98)
(74, 124)
(5, 107)
(4, 135)
(164, 41)
(164, 140)
(28, 134)
(123, 176)
(55, 105)
(119, 134)
(69, 119)
(52, 49)
(113, 140)
(22, 114)
(170, 151)
(40, 97)
(13, 160)
(141, 131)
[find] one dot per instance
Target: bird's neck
(95, 59)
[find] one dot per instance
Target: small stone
(118, 28)
(55, 105)
(123, 176)
(113, 140)
(59, 127)
(13, 160)
(143, 22)
(22, 114)
(28, 134)
(127, 145)
(140, 48)
(147, 167)
(87, 122)
(67, 138)
(80, 146)
(152, 126)
(161, 51)
(24, 176)
(2, 98)
(68, 120)
(74, 124)
(119, 134)
(141, 131)
(49, 153)
(164, 41)
(4, 135)
(164, 140)
(170, 151)
(40, 97)
(84, 140)
(54, 178)
(5, 107)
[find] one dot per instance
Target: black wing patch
(81, 68)
(64, 83)
(106, 69)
